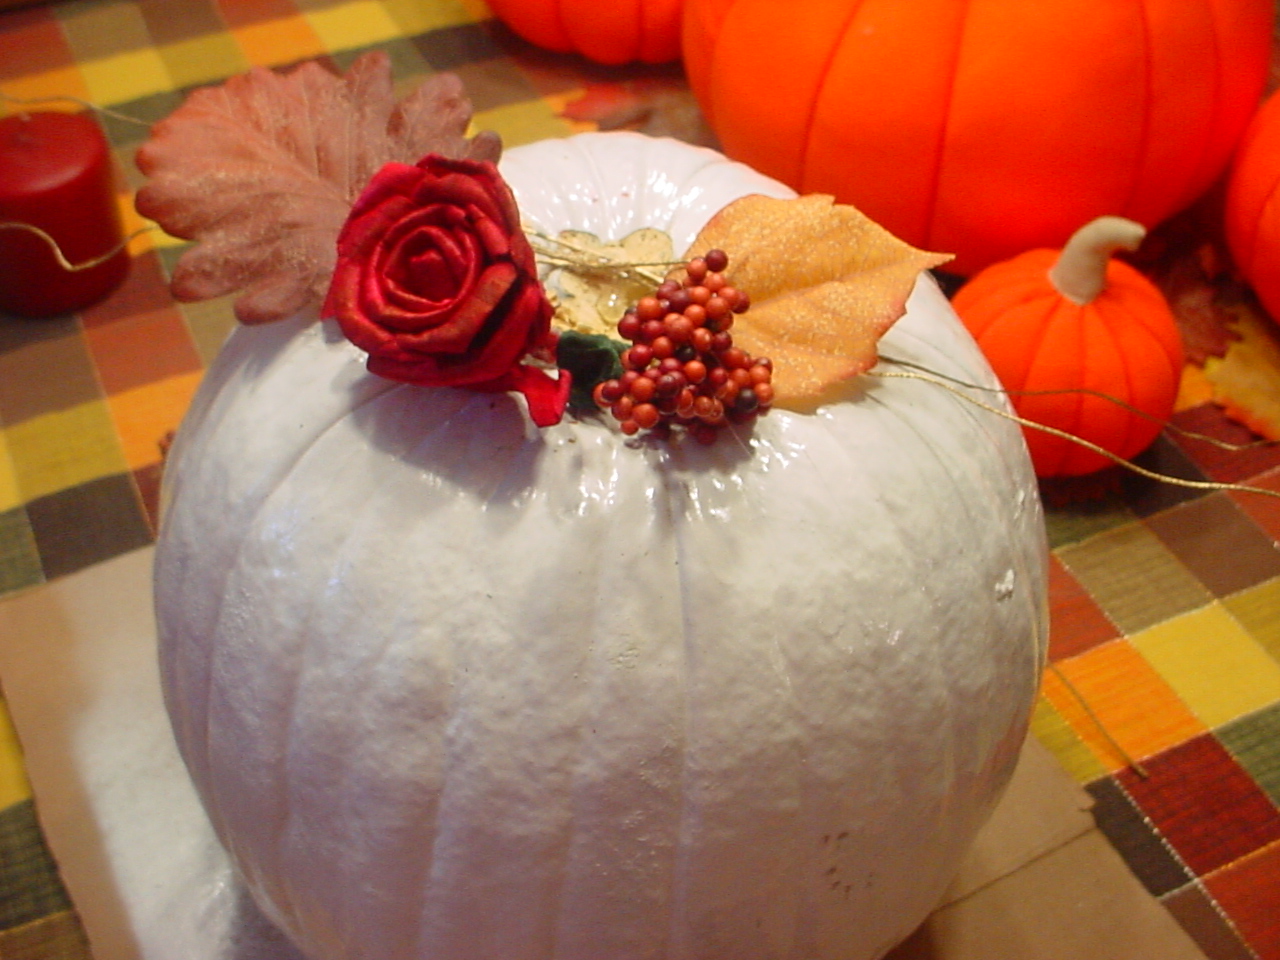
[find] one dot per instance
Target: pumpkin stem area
(1080, 274)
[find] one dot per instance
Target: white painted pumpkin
(452, 688)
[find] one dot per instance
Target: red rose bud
(437, 283)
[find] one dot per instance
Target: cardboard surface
(151, 883)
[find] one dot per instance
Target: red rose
(437, 283)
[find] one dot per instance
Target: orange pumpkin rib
(1003, 287)
(1263, 268)
(1243, 31)
(757, 100)
(1173, 142)
(1199, 124)
(1155, 378)
(700, 38)
(1024, 126)
(1255, 179)
(1056, 362)
(607, 33)
(660, 31)
(1145, 136)
(811, 109)
(539, 23)
(1014, 334)
(1149, 310)
(892, 73)
(1111, 353)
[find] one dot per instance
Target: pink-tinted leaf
(262, 172)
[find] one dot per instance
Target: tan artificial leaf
(825, 284)
(1245, 378)
(263, 169)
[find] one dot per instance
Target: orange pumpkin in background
(1079, 325)
(1253, 206)
(983, 127)
(613, 32)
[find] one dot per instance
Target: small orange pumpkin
(983, 127)
(618, 31)
(1253, 206)
(1079, 322)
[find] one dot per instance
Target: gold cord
(43, 101)
(1081, 391)
(586, 259)
(936, 380)
(58, 255)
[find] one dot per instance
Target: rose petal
(546, 395)
(462, 325)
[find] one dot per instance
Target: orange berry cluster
(682, 368)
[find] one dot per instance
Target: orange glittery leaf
(263, 169)
(825, 283)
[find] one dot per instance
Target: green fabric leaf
(591, 358)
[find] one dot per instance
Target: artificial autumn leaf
(1245, 378)
(659, 105)
(1194, 286)
(262, 172)
(825, 284)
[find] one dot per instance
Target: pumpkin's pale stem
(1081, 271)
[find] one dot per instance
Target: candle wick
(59, 256)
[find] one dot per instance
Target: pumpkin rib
(684, 812)
(934, 186)
(1251, 253)
(1164, 335)
(707, 100)
(1203, 167)
(294, 688)
(1061, 312)
(1136, 428)
(1026, 562)
(1006, 321)
(360, 524)
(1147, 133)
(973, 418)
(833, 51)
(1101, 333)
(1261, 265)
(381, 387)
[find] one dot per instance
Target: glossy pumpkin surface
(981, 127)
(619, 31)
(1253, 206)
(451, 687)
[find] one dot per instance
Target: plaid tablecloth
(1166, 602)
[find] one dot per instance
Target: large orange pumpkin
(983, 127)
(616, 31)
(1066, 330)
(1253, 206)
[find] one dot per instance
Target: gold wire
(58, 255)
(42, 101)
(586, 258)
(1121, 752)
(1082, 391)
(1054, 431)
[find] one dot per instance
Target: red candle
(55, 174)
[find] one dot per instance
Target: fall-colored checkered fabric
(1165, 602)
